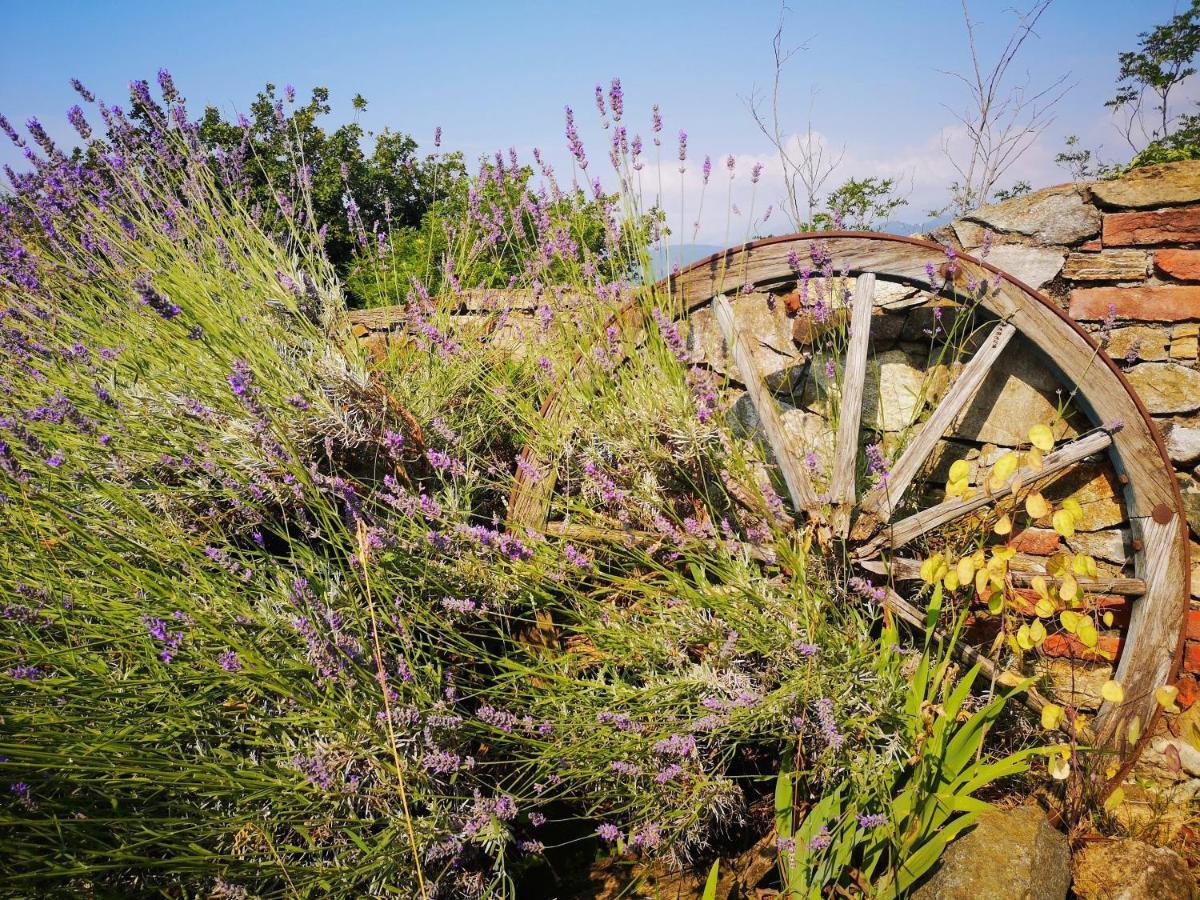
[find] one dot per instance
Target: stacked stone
(1122, 257)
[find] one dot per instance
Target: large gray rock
(1013, 855)
(1035, 266)
(1166, 388)
(1057, 215)
(1183, 444)
(1019, 392)
(1131, 870)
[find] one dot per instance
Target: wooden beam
(795, 475)
(914, 526)
(854, 377)
(878, 505)
(906, 569)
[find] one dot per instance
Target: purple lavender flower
(574, 144)
(683, 138)
(656, 124)
(756, 172)
(821, 840)
(21, 790)
(874, 820)
(148, 296)
(608, 832)
(829, 730)
(616, 100)
(877, 463)
(437, 136)
(229, 661)
(706, 169)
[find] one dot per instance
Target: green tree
(352, 192)
(1150, 74)
(860, 204)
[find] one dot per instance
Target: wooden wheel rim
(1154, 637)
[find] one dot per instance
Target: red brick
(1147, 303)
(1181, 264)
(1062, 644)
(1193, 625)
(1090, 247)
(1189, 690)
(1035, 541)
(1165, 226)
(1191, 656)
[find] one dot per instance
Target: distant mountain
(907, 228)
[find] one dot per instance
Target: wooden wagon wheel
(865, 519)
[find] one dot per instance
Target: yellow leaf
(1108, 618)
(1166, 697)
(960, 470)
(1079, 564)
(1072, 506)
(1038, 583)
(1037, 632)
(1068, 589)
(1004, 469)
(981, 580)
(1060, 769)
(1044, 607)
(1113, 692)
(1023, 639)
(1064, 523)
(1004, 553)
(929, 568)
(950, 581)
(1134, 730)
(966, 570)
(1033, 460)
(1036, 506)
(1086, 632)
(995, 603)
(1052, 716)
(1041, 437)
(1003, 525)
(1058, 565)
(1070, 620)
(1115, 799)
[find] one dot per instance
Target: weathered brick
(1193, 625)
(1189, 690)
(1035, 541)
(1181, 264)
(1107, 647)
(1110, 265)
(1191, 656)
(1166, 226)
(1147, 303)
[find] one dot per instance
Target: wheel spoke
(795, 476)
(914, 526)
(1022, 570)
(854, 378)
(878, 505)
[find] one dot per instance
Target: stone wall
(1122, 258)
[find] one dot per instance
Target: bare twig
(1003, 120)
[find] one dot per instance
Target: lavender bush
(263, 629)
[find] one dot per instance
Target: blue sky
(497, 74)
